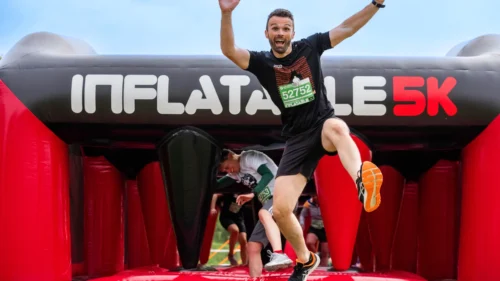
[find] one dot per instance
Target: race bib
(234, 207)
(264, 195)
(296, 93)
(318, 224)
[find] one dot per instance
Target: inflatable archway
(108, 163)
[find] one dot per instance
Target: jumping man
(291, 73)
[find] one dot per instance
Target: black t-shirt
(295, 83)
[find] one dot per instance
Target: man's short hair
(225, 154)
(282, 13)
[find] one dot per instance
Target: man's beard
(279, 49)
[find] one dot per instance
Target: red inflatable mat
(241, 273)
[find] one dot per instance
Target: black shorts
(320, 233)
(227, 220)
(302, 153)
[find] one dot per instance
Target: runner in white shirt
(257, 171)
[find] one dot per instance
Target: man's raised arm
(351, 25)
(241, 57)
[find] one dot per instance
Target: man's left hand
(242, 199)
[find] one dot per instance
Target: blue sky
(403, 28)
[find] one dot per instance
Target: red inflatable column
(76, 209)
(160, 233)
(364, 248)
(103, 219)
(137, 240)
(208, 237)
(480, 225)
(438, 222)
(383, 221)
(339, 204)
(290, 252)
(34, 197)
(404, 254)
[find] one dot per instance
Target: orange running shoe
(369, 183)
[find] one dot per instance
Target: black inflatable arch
(209, 92)
(181, 110)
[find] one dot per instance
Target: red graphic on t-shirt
(300, 69)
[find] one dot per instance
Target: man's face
(229, 166)
(280, 33)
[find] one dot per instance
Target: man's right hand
(227, 6)
(239, 56)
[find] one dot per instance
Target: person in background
(316, 232)
(231, 218)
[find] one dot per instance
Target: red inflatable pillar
(208, 237)
(364, 247)
(76, 209)
(137, 240)
(160, 233)
(290, 252)
(35, 239)
(339, 204)
(404, 254)
(438, 222)
(383, 221)
(480, 224)
(103, 218)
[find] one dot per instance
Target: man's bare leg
(233, 238)
(368, 178)
(325, 252)
(335, 136)
(287, 190)
(272, 231)
(242, 239)
(254, 259)
(267, 230)
(312, 242)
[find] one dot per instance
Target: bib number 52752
(294, 94)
